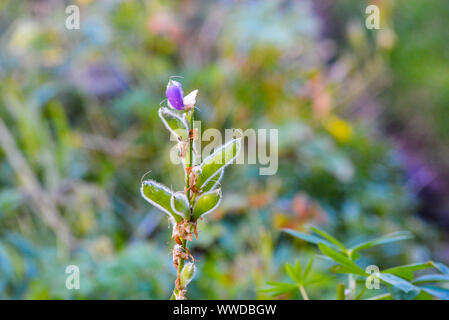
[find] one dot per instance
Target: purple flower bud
(175, 95)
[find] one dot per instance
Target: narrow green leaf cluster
(400, 281)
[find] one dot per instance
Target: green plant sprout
(202, 192)
(300, 278)
(401, 282)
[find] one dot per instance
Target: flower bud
(174, 95)
(187, 274)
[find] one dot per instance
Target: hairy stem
(178, 291)
(190, 152)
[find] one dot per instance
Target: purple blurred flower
(174, 95)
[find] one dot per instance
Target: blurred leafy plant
(77, 107)
(400, 281)
(300, 277)
(202, 192)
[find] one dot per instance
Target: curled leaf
(180, 204)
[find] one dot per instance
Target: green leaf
(360, 294)
(160, 197)
(385, 296)
(441, 267)
(353, 255)
(393, 237)
(423, 296)
(341, 269)
(308, 268)
(329, 238)
(180, 204)
(341, 259)
(279, 288)
(175, 123)
(294, 272)
(217, 161)
(406, 271)
(206, 203)
(308, 237)
(213, 183)
(399, 283)
(316, 280)
(438, 292)
(431, 278)
(399, 294)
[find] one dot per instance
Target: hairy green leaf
(213, 183)
(206, 203)
(160, 197)
(180, 204)
(218, 160)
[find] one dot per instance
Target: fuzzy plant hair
(202, 192)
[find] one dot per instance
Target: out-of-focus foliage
(79, 128)
(399, 282)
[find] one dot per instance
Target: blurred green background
(363, 139)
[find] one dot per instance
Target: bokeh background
(363, 139)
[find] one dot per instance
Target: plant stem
(303, 292)
(190, 164)
(181, 260)
(341, 291)
(351, 286)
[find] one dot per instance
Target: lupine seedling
(202, 191)
(300, 277)
(400, 282)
